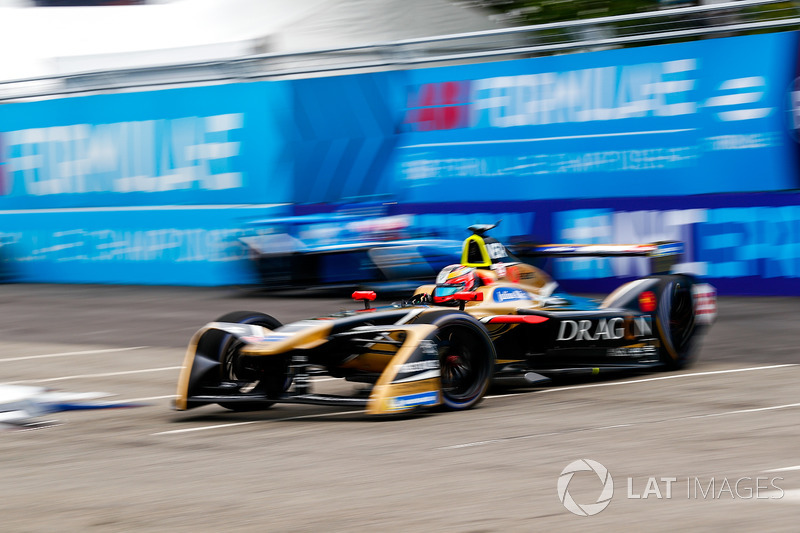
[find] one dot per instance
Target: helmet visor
(443, 293)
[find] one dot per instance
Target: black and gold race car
(488, 317)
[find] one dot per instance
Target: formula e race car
(354, 246)
(490, 316)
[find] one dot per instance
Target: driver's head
(453, 279)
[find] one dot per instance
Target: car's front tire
(466, 358)
(268, 376)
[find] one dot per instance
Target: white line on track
(672, 376)
(630, 382)
(785, 496)
(645, 380)
(508, 395)
(85, 376)
(742, 411)
(66, 354)
(146, 399)
(204, 428)
(616, 426)
(785, 469)
(233, 424)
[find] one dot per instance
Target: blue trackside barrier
(693, 141)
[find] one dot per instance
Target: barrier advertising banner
(701, 117)
(203, 145)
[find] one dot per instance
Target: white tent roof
(53, 40)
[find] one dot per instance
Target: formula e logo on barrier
(587, 509)
(438, 106)
(145, 156)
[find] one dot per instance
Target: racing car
(359, 245)
(488, 317)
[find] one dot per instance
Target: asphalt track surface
(727, 430)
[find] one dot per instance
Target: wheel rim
(462, 374)
(252, 374)
(234, 367)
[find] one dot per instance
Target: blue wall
(207, 145)
(623, 145)
(142, 188)
(169, 245)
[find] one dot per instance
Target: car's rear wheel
(676, 316)
(264, 377)
(466, 358)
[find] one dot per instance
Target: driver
(453, 279)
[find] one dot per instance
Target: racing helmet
(453, 279)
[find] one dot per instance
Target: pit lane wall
(693, 140)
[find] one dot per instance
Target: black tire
(270, 376)
(677, 323)
(466, 358)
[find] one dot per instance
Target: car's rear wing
(663, 255)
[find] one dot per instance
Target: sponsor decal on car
(429, 349)
(604, 329)
(499, 269)
(276, 337)
(705, 303)
(633, 352)
(671, 248)
(503, 294)
(420, 370)
(413, 400)
(417, 366)
(496, 250)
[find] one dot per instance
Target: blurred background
(271, 143)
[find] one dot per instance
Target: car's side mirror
(365, 296)
(466, 296)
